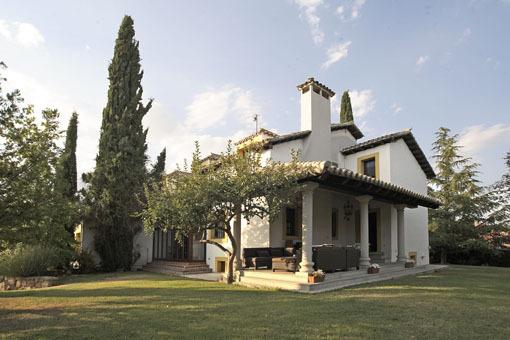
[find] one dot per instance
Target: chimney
(316, 117)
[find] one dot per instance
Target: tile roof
(260, 132)
(351, 127)
(408, 138)
(330, 174)
(311, 80)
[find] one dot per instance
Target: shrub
(30, 260)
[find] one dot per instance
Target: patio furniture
(331, 258)
(289, 263)
(262, 257)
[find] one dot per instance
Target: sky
(211, 65)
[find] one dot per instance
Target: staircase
(177, 268)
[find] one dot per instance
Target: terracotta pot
(314, 279)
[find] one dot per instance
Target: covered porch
(342, 209)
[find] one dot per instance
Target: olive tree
(209, 196)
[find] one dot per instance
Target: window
(218, 233)
(369, 165)
(334, 224)
(290, 222)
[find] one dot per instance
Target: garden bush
(31, 260)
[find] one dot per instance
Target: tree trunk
(230, 270)
(443, 257)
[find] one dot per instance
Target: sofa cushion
(277, 252)
(249, 252)
(263, 253)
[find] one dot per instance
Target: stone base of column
(401, 259)
(364, 263)
(306, 268)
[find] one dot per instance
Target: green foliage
(66, 174)
(346, 109)
(459, 221)
(30, 209)
(211, 195)
(114, 188)
(158, 169)
(499, 232)
(30, 260)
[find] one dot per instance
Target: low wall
(14, 283)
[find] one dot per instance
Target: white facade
(396, 164)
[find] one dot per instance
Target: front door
(166, 247)
(372, 232)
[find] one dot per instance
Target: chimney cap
(311, 81)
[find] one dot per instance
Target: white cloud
(421, 61)
(23, 33)
(308, 10)
(395, 108)
(40, 94)
(362, 102)
(336, 53)
(479, 137)
(465, 36)
(350, 10)
(229, 106)
(211, 107)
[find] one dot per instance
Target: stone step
(177, 268)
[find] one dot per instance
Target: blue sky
(211, 65)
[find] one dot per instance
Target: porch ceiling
(330, 176)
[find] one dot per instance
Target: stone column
(393, 235)
(364, 260)
(402, 257)
(307, 229)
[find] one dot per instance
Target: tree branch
(217, 245)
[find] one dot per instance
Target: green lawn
(462, 302)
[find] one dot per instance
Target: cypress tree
(66, 175)
(158, 169)
(346, 109)
(120, 173)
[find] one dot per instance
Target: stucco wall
(351, 161)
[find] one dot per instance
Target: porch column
(307, 228)
(364, 260)
(238, 267)
(401, 234)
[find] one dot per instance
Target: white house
(371, 193)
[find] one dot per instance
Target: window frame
(363, 159)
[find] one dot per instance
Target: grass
(462, 302)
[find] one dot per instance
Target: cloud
(465, 36)
(23, 33)
(395, 108)
(350, 10)
(362, 102)
(308, 10)
(42, 96)
(336, 53)
(210, 108)
(230, 106)
(421, 61)
(479, 137)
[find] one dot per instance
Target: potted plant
(373, 268)
(316, 276)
